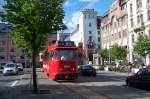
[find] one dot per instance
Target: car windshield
(87, 67)
(10, 65)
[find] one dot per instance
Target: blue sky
(73, 7)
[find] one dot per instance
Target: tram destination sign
(65, 43)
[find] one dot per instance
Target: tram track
(70, 89)
(84, 92)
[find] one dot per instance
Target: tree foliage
(141, 45)
(104, 53)
(118, 52)
(33, 18)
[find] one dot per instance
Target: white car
(10, 68)
(20, 66)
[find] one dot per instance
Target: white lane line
(14, 83)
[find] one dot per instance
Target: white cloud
(66, 3)
(72, 23)
(69, 4)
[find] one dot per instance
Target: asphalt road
(10, 80)
(106, 85)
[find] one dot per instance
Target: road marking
(14, 83)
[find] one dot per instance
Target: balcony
(139, 27)
(148, 6)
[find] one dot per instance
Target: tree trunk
(34, 65)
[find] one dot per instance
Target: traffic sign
(25, 51)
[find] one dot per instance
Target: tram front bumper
(66, 76)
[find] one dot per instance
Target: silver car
(20, 66)
(10, 68)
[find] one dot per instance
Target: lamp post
(109, 54)
(145, 56)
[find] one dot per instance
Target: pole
(35, 89)
(25, 62)
(109, 55)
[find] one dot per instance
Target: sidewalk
(47, 89)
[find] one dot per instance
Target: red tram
(59, 61)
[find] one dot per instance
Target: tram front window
(66, 54)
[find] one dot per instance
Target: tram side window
(52, 56)
(56, 54)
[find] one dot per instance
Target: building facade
(8, 49)
(87, 33)
(138, 23)
(114, 26)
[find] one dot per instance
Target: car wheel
(94, 75)
(128, 83)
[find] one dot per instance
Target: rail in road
(107, 85)
(102, 87)
(85, 93)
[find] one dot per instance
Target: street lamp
(109, 54)
(145, 56)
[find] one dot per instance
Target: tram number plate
(66, 66)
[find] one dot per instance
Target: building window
(2, 57)
(90, 32)
(132, 22)
(99, 46)
(12, 57)
(85, 16)
(2, 42)
(2, 50)
(138, 19)
(13, 42)
(124, 6)
(90, 38)
(90, 24)
(132, 38)
(131, 10)
(49, 42)
(148, 15)
(138, 4)
(119, 34)
(141, 18)
(98, 32)
(99, 39)
(12, 50)
(22, 57)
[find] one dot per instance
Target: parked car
(2, 65)
(20, 66)
(10, 68)
(140, 79)
(87, 70)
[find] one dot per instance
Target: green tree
(104, 53)
(141, 45)
(118, 52)
(32, 20)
